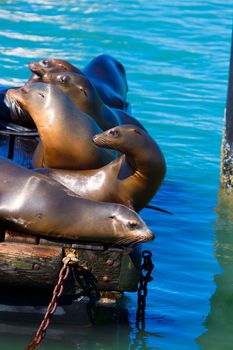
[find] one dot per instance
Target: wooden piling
(227, 138)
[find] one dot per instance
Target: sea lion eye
(41, 94)
(45, 63)
(137, 131)
(63, 67)
(132, 224)
(63, 79)
(113, 133)
(82, 90)
(112, 217)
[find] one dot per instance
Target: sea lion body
(85, 96)
(66, 133)
(105, 73)
(132, 179)
(34, 204)
(109, 77)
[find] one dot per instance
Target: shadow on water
(219, 323)
(113, 330)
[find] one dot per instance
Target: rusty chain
(69, 259)
(145, 277)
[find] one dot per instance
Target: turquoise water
(176, 55)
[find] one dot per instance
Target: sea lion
(132, 179)
(85, 96)
(66, 133)
(109, 77)
(49, 65)
(31, 203)
(106, 74)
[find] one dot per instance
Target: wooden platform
(30, 262)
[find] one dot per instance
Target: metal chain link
(145, 278)
(71, 258)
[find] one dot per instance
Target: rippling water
(176, 55)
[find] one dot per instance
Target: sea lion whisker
(140, 239)
(118, 242)
(14, 107)
(124, 240)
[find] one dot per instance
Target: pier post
(227, 138)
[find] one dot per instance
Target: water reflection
(219, 322)
(114, 329)
(111, 331)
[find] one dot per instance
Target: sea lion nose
(94, 138)
(150, 236)
(31, 65)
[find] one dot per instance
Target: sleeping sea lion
(32, 203)
(66, 133)
(132, 179)
(85, 96)
(106, 74)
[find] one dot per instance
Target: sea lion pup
(106, 74)
(66, 133)
(85, 96)
(34, 204)
(132, 179)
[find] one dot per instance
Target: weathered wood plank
(23, 264)
(107, 275)
(12, 236)
(116, 270)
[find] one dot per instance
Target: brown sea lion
(66, 133)
(49, 65)
(34, 204)
(85, 96)
(106, 74)
(132, 179)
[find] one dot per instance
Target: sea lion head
(124, 223)
(28, 95)
(122, 138)
(37, 100)
(76, 86)
(51, 65)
